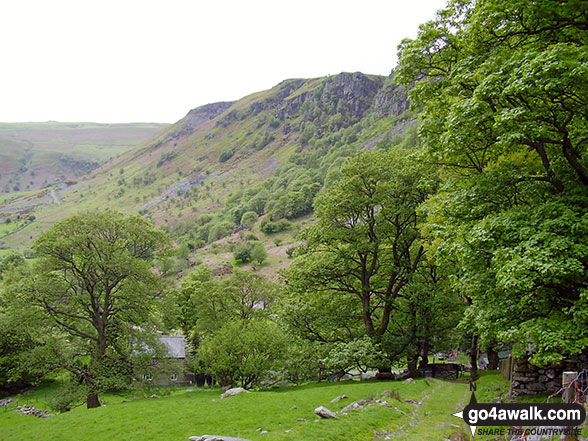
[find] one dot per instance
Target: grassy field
(183, 414)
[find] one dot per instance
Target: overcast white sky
(129, 61)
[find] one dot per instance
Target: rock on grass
(323, 412)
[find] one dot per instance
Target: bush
(243, 352)
(270, 227)
(249, 218)
(243, 252)
(226, 155)
(166, 157)
(251, 236)
(219, 231)
(66, 397)
(258, 253)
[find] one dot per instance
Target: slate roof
(176, 347)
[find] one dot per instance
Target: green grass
(183, 414)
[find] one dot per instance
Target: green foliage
(258, 253)
(243, 352)
(166, 157)
(218, 231)
(94, 282)
(243, 252)
(229, 322)
(206, 303)
(362, 252)
(505, 113)
(225, 155)
(296, 203)
(10, 261)
(269, 227)
(67, 396)
(249, 218)
(359, 354)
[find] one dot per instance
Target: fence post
(569, 394)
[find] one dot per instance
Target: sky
(153, 61)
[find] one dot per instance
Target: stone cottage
(172, 369)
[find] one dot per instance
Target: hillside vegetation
(270, 152)
(34, 155)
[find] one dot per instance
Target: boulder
(323, 412)
(355, 405)
(233, 391)
(408, 381)
(339, 398)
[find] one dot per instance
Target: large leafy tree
(95, 281)
(503, 86)
(23, 334)
(349, 278)
(230, 325)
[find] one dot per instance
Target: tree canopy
(347, 282)
(95, 283)
(503, 88)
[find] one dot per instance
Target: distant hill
(270, 152)
(34, 155)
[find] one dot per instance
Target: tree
(503, 87)
(206, 303)
(363, 250)
(258, 253)
(229, 322)
(10, 261)
(243, 351)
(95, 280)
(23, 336)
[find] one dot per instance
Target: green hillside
(198, 176)
(34, 155)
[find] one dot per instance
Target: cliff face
(331, 102)
(200, 115)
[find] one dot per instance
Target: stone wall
(528, 379)
(445, 371)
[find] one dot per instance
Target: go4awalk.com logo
(566, 416)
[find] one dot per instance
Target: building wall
(162, 372)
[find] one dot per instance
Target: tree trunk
(492, 359)
(412, 366)
(474, 358)
(385, 373)
(92, 401)
(425, 355)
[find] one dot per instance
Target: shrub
(249, 218)
(226, 155)
(166, 157)
(66, 397)
(251, 236)
(243, 352)
(270, 227)
(219, 231)
(258, 253)
(243, 252)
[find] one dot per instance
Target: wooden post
(569, 395)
